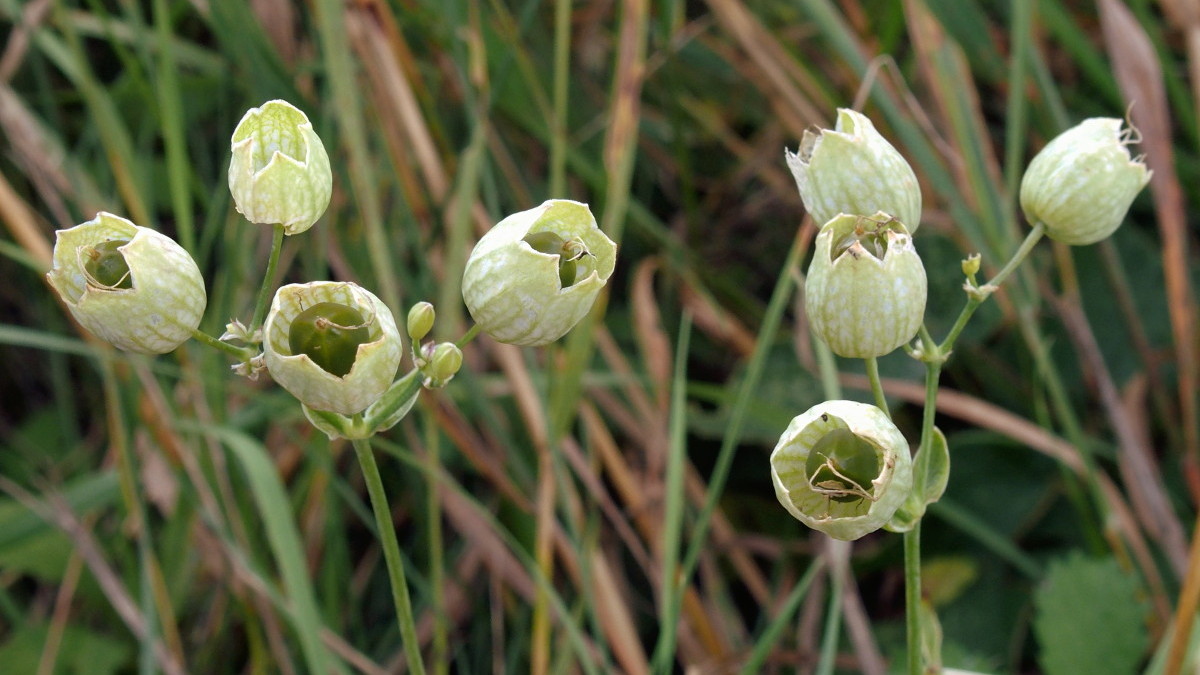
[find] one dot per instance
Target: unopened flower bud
(842, 468)
(444, 361)
(420, 321)
(970, 265)
(536, 274)
(866, 288)
(853, 169)
(129, 285)
(333, 345)
(1081, 184)
(279, 173)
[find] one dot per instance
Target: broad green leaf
(1090, 618)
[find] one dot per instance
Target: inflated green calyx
(569, 252)
(329, 333)
(106, 265)
(842, 466)
(871, 234)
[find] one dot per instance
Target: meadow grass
(603, 504)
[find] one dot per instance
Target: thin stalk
(912, 538)
(135, 511)
(831, 386)
(976, 299)
(544, 556)
(170, 109)
(1018, 101)
(912, 596)
(872, 364)
(562, 81)
(240, 353)
(674, 499)
(391, 553)
(1185, 615)
(437, 562)
(471, 334)
(260, 307)
(833, 620)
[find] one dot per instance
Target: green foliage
(239, 534)
(931, 473)
(1090, 618)
(80, 651)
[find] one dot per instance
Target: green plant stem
(391, 553)
(264, 293)
(912, 596)
(935, 356)
(433, 507)
(135, 508)
(876, 386)
(975, 299)
(471, 334)
(674, 497)
(241, 353)
(833, 620)
(562, 82)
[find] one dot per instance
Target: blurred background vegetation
(162, 514)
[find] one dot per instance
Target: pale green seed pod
(812, 469)
(854, 169)
(536, 274)
(1081, 184)
(866, 288)
(375, 359)
(153, 299)
(279, 173)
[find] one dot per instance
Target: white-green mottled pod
(1081, 184)
(525, 296)
(142, 294)
(856, 505)
(866, 289)
(279, 172)
(854, 169)
(374, 364)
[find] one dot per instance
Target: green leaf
(79, 651)
(931, 638)
(1089, 618)
(274, 509)
(931, 472)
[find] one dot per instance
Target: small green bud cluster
(438, 362)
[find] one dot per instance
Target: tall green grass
(604, 504)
